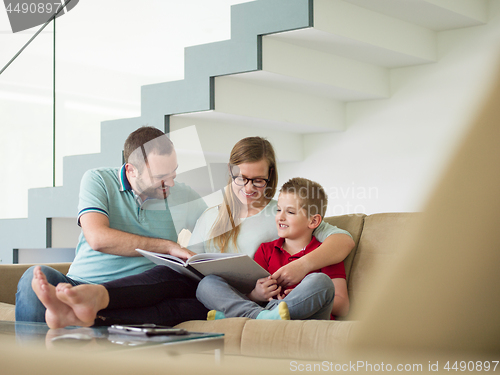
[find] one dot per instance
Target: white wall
(392, 151)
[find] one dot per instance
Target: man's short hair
(311, 195)
(145, 140)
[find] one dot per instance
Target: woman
(240, 224)
(246, 217)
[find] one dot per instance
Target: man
(120, 209)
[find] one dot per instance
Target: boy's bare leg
(58, 314)
(85, 300)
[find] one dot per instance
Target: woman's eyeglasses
(242, 181)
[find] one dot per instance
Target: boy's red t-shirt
(271, 257)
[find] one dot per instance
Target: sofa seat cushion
(232, 329)
(296, 339)
(11, 273)
(7, 312)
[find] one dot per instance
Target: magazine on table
(239, 270)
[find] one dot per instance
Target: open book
(239, 270)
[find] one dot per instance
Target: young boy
(322, 294)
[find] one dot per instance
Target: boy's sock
(214, 315)
(280, 312)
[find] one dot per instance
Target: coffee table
(98, 339)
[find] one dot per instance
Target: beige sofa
(377, 240)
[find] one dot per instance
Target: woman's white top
(254, 230)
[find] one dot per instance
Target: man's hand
(181, 252)
(291, 273)
(265, 290)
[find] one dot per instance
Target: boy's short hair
(311, 195)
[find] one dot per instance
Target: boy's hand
(265, 290)
(290, 274)
(284, 294)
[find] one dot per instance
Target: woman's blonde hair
(248, 150)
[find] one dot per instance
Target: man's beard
(153, 192)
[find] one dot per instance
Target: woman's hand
(291, 273)
(265, 290)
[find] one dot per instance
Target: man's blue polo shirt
(107, 191)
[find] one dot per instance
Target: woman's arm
(333, 250)
(341, 300)
(200, 232)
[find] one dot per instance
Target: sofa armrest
(10, 275)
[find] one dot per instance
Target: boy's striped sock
(280, 312)
(215, 315)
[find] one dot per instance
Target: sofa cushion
(232, 329)
(379, 245)
(7, 312)
(354, 225)
(11, 273)
(297, 339)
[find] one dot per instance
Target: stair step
(437, 15)
(330, 75)
(293, 111)
(358, 33)
(218, 133)
(48, 200)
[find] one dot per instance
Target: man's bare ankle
(103, 299)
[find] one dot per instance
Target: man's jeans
(159, 295)
(28, 306)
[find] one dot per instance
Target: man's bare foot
(85, 300)
(58, 314)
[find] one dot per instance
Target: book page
(172, 262)
(239, 271)
(211, 256)
(171, 258)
